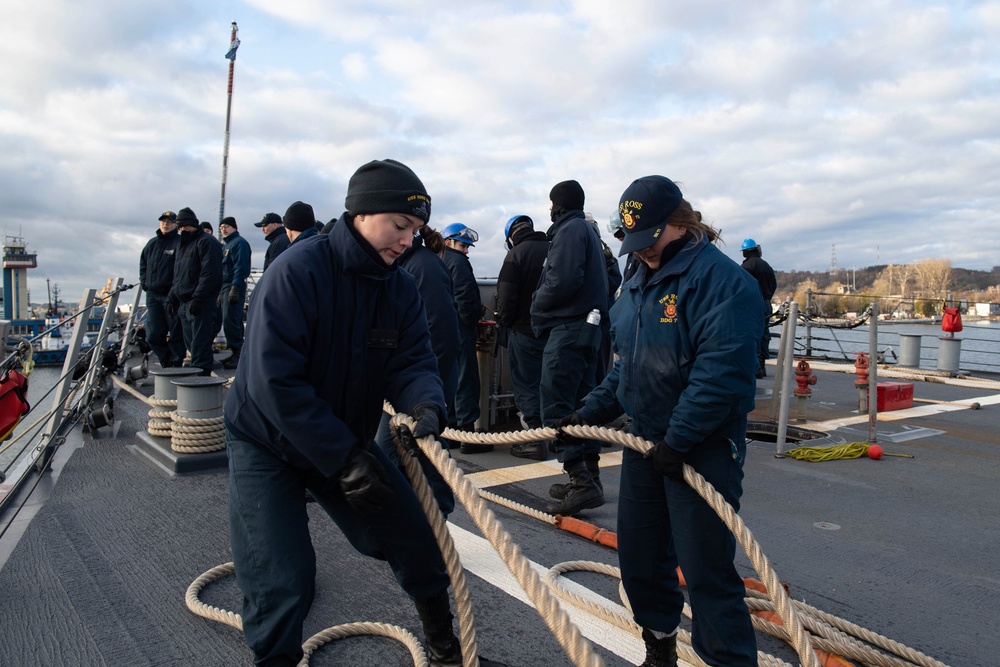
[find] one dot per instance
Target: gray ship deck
(906, 547)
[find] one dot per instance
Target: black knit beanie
(229, 220)
(187, 218)
(299, 217)
(387, 186)
(567, 196)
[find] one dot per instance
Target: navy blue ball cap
(644, 208)
(268, 219)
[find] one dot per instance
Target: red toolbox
(894, 396)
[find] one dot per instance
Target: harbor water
(40, 383)
(980, 343)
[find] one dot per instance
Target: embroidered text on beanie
(387, 186)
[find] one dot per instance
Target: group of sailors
(196, 287)
(344, 320)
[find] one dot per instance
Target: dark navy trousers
(467, 369)
(232, 316)
(663, 524)
(198, 333)
(569, 366)
(525, 355)
(273, 553)
(163, 332)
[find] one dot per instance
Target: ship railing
(840, 339)
(82, 393)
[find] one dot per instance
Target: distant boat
(49, 338)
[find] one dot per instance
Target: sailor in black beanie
(197, 282)
(565, 196)
(387, 186)
(335, 328)
(566, 310)
(300, 222)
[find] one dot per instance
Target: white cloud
(871, 126)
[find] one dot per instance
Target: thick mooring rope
(577, 647)
(832, 635)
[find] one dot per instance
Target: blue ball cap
(644, 209)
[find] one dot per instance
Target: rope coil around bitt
(197, 436)
(160, 422)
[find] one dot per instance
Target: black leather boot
(473, 447)
(529, 450)
(583, 491)
(443, 647)
(232, 360)
(559, 491)
(659, 652)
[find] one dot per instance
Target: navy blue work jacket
(687, 343)
(331, 332)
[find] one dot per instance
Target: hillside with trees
(920, 288)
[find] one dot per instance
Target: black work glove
(234, 295)
(572, 419)
(171, 308)
(668, 461)
(364, 483)
(428, 418)
(195, 307)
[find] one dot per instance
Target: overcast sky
(871, 127)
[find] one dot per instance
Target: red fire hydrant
(803, 378)
(861, 368)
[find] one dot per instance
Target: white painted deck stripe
(479, 558)
(520, 473)
(908, 413)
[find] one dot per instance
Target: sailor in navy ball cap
(687, 327)
(268, 219)
(645, 207)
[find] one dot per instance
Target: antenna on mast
(234, 43)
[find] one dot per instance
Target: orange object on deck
(826, 659)
(587, 530)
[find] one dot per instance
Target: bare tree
(933, 276)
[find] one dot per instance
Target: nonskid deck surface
(904, 547)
